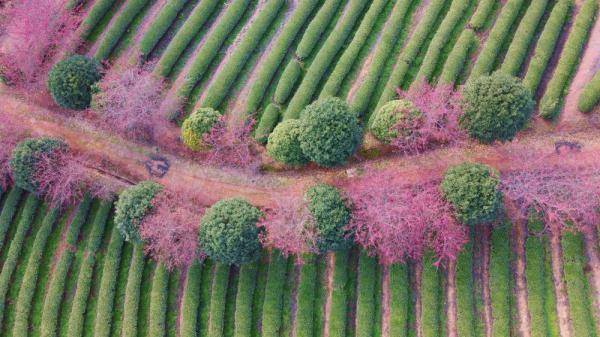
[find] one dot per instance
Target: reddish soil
(183, 278)
(519, 234)
(451, 310)
(294, 299)
(562, 302)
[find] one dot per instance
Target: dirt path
(590, 64)
(385, 302)
(329, 277)
(485, 280)
(294, 299)
(416, 290)
(562, 302)
(519, 234)
(451, 300)
(593, 259)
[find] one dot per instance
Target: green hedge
(220, 86)
(442, 36)
(273, 303)
(550, 296)
(285, 87)
(86, 271)
(411, 50)
(590, 96)
(458, 57)
(578, 287)
(158, 302)
(305, 297)
(365, 302)
(326, 55)
(465, 317)
(351, 51)
(400, 300)
(500, 281)
(267, 123)
(211, 46)
(519, 47)
(338, 310)
(160, 25)
(199, 16)
(570, 57)
(316, 29)
(431, 298)
(9, 210)
(94, 16)
(277, 52)
(481, 15)
(56, 288)
(28, 286)
(106, 294)
(546, 44)
(498, 35)
(243, 299)
(217, 300)
(118, 27)
(383, 50)
(132, 292)
(190, 301)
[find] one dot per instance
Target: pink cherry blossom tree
(233, 146)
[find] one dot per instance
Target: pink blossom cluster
(233, 146)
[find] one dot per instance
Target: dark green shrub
(70, 82)
(26, 156)
(386, 119)
(133, 204)
(228, 231)
(331, 132)
(495, 107)
(284, 145)
(473, 191)
(196, 126)
(330, 215)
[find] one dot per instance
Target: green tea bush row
(285, 87)
(365, 301)
(132, 292)
(519, 47)
(158, 302)
(160, 25)
(28, 286)
(243, 300)
(535, 270)
(578, 288)
(211, 45)
(205, 296)
(86, 271)
(590, 96)
(267, 123)
(431, 299)
(547, 43)
(217, 300)
(56, 288)
(190, 301)
(569, 59)
(94, 16)
(226, 77)
(273, 303)
(316, 29)
(498, 35)
(350, 54)
(326, 55)
(550, 296)
(288, 287)
(383, 50)
(8, 212)
(277, 53)
(339, 295)
(458, 56)
(118, 27)
(411, 50)
(400, 300)
(305, 301)
(108, 283)
(465, 317)
(500, 281)
(455, 13)
(481, 15)
(184, 36)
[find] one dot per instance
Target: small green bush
(331, 215)
(26, 156)
(495, 107)
(70, 82)
(196, 126)
(331, 132)
(473, 191)
(132, 206)
(284, 145)
(228, 231)
(388, 116)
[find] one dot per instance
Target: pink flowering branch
(233, 146)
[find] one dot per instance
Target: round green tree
(133, 204)
(330, 217)
(473, 190)
(198, 124)
(70, 82)
(495, 107)
(283, 144)
(26, 156)
(228, 231)
(386, 120)
(331, 132)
